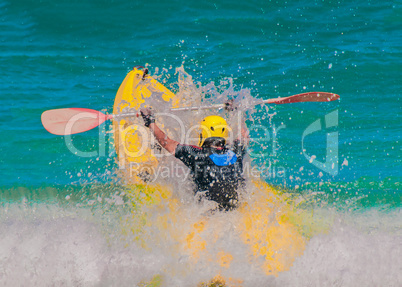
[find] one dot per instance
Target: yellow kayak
(136, 156)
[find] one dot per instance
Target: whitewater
(82, 245)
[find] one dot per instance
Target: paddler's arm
(149, 120)
(244, 136)
(167, 143)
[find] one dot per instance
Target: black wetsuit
(217, 171)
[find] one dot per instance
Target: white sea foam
(49, 245)
(364, 250)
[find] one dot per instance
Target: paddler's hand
(230, 105)
(148, 116)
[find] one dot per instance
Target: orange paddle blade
(72, 120)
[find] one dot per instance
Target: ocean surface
(60, 213)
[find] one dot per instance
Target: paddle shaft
(305, 97)
(76, 120)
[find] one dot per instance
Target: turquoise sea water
(56, 54)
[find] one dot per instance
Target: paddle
(69, 121)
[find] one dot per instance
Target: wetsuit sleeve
(188, 154)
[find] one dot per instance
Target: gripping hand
(230, 106)
(148, 116)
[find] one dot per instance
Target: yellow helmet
(214, 128)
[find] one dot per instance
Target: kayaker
(217, 169)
